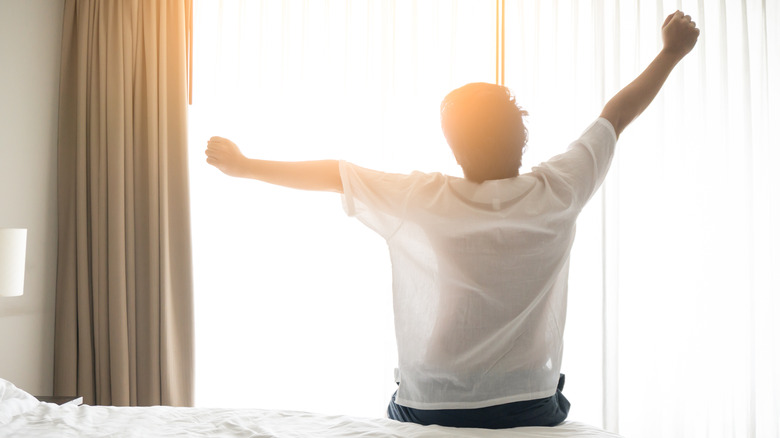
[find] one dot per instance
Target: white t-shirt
(480, 272)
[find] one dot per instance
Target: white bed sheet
(29, 418)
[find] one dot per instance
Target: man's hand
(225, 156)
(679, 34)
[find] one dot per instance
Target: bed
(22, 415)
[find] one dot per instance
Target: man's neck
(478, 178)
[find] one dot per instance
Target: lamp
(13, 249)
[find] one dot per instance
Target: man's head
(485, 130)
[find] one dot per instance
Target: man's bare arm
(321, 175)
(679, 37)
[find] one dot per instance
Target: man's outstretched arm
(321, 175)
(679, 36)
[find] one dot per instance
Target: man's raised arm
(321, 175)
(679, 36)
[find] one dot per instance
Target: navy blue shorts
(548, 411)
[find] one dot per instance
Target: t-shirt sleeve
(378, 199)
(583, 167)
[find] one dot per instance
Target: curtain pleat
(124, 329)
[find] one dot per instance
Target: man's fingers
(679, 15)
(676, 14)
(221, 143)
(213, 153)
(217, 145)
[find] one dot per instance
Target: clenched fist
(225, 156)
(679, 34)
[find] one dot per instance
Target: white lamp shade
(13, 250)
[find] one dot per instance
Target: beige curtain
(124, 328)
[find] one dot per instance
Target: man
(480, 264)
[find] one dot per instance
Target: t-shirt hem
(477, 404)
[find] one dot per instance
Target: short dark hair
(484, 128)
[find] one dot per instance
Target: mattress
(21, 415)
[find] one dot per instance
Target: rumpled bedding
(21, 415)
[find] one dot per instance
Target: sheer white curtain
(691, 228)
(673, 286)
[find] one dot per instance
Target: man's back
(480, 273)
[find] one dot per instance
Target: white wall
(30, 35)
